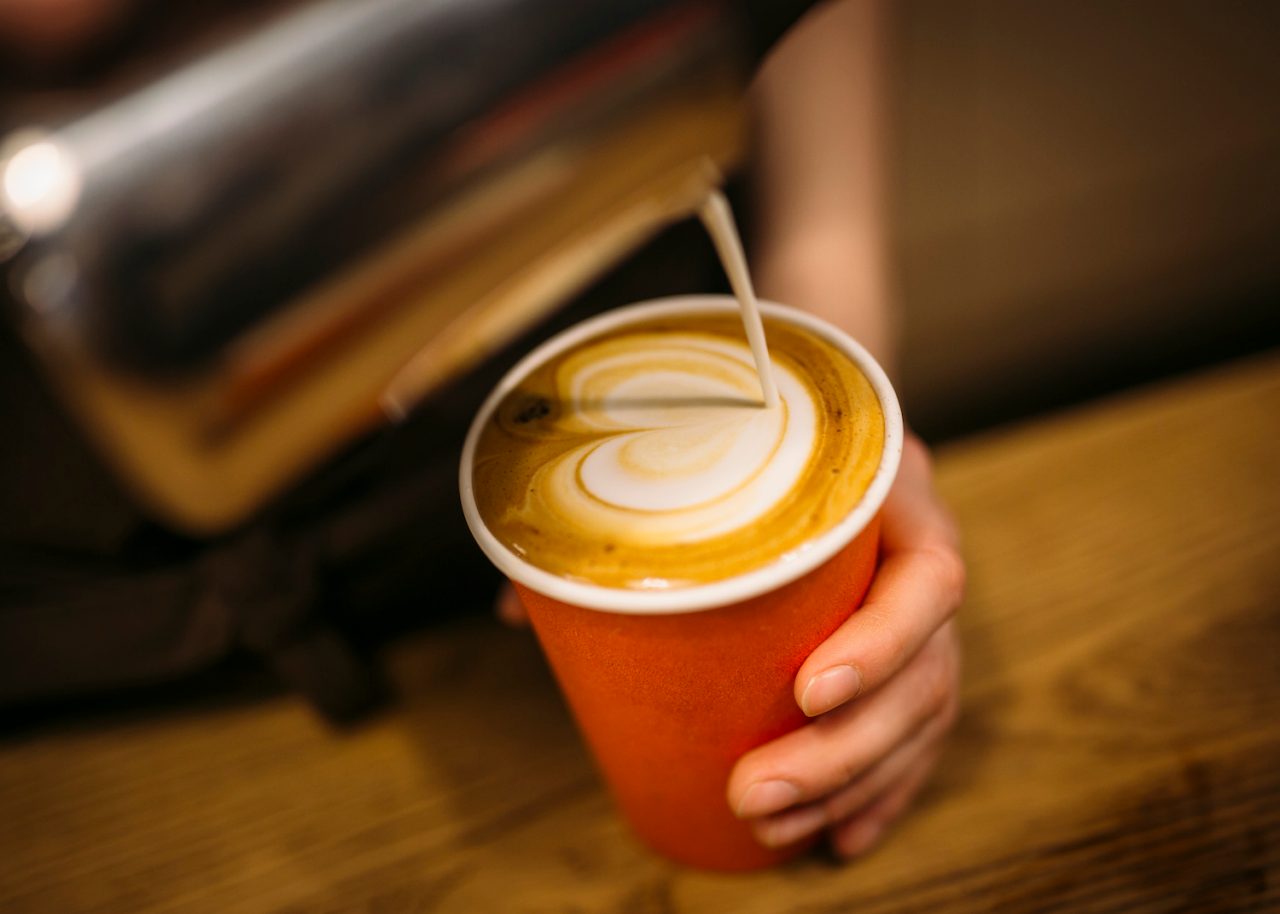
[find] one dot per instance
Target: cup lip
(787, 568)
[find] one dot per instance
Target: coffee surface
(644, 458)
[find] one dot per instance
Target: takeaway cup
(671, 687)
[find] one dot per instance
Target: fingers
(858, 764)
(918, 587)
(509, 608)
(919, 748)
(859, 833)
(836, 750)
(915, 592)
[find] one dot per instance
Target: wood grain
(1119, 751)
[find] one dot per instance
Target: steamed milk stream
(718, 220)
(648, 458)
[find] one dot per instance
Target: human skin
(883, 690)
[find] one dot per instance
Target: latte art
(646, 458)
(676, 445)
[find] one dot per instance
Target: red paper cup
(671, 687)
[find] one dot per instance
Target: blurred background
(1085, 196)
(1082, 197)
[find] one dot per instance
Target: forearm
(819, 106)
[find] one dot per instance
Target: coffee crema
(644, 458)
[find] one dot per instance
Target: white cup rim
(791, 566)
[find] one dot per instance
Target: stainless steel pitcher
(244, 262)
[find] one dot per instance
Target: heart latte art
(645, 459)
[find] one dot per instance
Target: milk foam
(645, 457)
(686, 449)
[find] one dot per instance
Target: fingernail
(830, 688)
(765, 797)
(791, 828)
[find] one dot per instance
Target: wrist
(839, 283)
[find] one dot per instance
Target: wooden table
(1120, 748)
